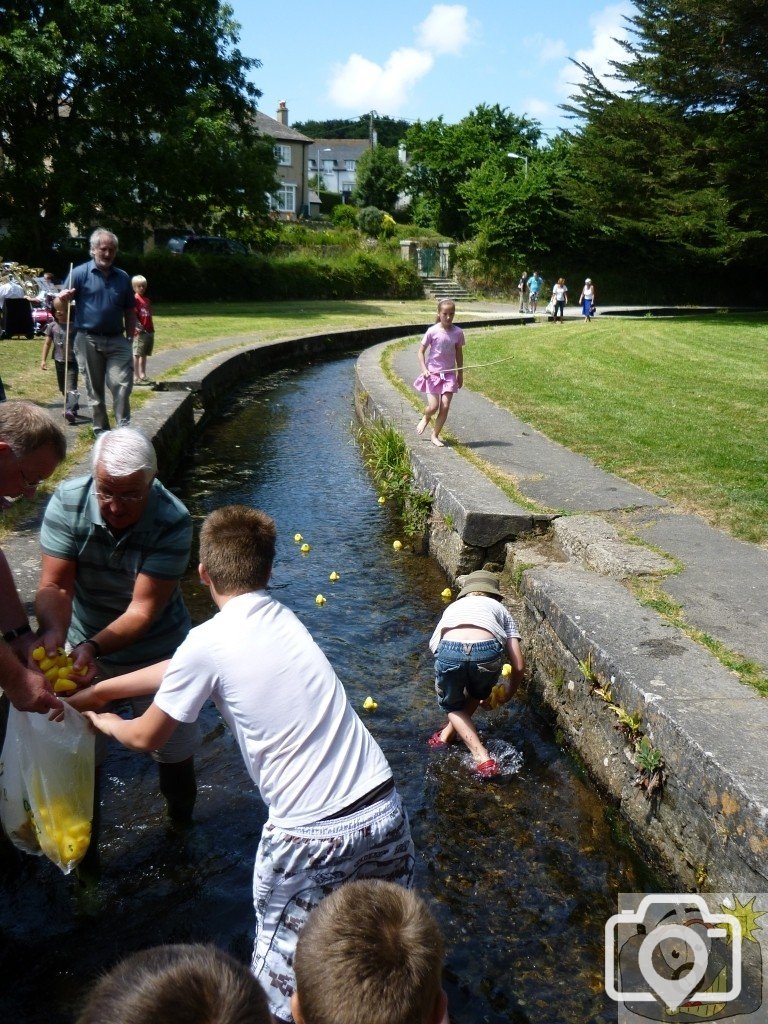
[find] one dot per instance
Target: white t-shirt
(302, 743)
(476, 610)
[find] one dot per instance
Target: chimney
(282, 113)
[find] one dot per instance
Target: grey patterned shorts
(295, 869)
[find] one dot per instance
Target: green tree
(126, 113)
(441, 158)
(380, 177)
(674, 159)
(389, 130)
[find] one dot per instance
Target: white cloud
(360, 82)
(545, 48)
(607, 26)
(445, 29)
(538, 109)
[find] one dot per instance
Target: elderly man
(31, 447)
(115, 546)
(105, 319)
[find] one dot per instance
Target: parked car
(75, 246)
(214, 244)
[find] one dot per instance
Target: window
(328, 166)
(349, 165)
(283, 154)
(284, 200)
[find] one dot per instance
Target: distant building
(293, 198)
(338, 160)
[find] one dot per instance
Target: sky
(418, 60)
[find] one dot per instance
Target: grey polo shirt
(158, 545)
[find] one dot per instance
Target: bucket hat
(480, 582)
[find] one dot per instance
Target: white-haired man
(105, 320)
(115, 546)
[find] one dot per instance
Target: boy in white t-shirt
(334, 813)
(469, 643)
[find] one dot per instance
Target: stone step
(445, 288)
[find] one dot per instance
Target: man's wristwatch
(96, 647)
(13, 634)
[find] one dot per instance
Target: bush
(370, 220)
(344, 215)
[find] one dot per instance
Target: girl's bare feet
(421, 426)
(437, 442)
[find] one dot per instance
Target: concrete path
(723, 587)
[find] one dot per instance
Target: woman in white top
(587, 300)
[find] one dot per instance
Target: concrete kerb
(709, 830)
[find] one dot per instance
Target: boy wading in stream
(469, 644)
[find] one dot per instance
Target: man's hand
(30, 691)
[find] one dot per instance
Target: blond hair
(370, 953)
(237, 548)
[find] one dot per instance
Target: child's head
(481, 582)
(237, 548)
(60, 315)
(370, 953)
(139, 283)
(178, 984)
(446, 310)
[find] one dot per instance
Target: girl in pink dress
(441, 374)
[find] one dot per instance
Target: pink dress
(441, 360)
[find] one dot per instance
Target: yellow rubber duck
(506, 669)
(397, 545)
(382, 500)
(320, 599)
(498, 696)
(305, 549)
(370, 704)
(298, 538)
(334, 576)
(447, 594)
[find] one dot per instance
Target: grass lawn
(679, 407)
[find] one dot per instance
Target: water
(521, 871)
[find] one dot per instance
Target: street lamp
(326, 149)
(517, 156)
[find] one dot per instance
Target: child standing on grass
(66, 374)
(144, 336)
(441, 374)
(469, 645)
(334, 812)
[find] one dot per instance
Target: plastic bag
(46, 785)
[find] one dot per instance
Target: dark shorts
(464, 670)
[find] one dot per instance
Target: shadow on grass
(285, 310)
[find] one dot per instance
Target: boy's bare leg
(464, 726)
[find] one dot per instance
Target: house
(293, 198)
(337, 160)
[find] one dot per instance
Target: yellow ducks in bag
(59, 671)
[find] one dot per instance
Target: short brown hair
(177, 984)
(370, 953)
(237, 548)
(26, 427)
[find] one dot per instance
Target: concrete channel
(597, 659)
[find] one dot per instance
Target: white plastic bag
(46, 785)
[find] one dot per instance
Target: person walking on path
(469, 644)
(105, 321)
(535, 284)
(587, 299)
(441, 374)
(144, 338)
(522, 288)
(58, 336)
(31, 447)
(559, 299)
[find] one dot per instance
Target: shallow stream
(521, 871)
